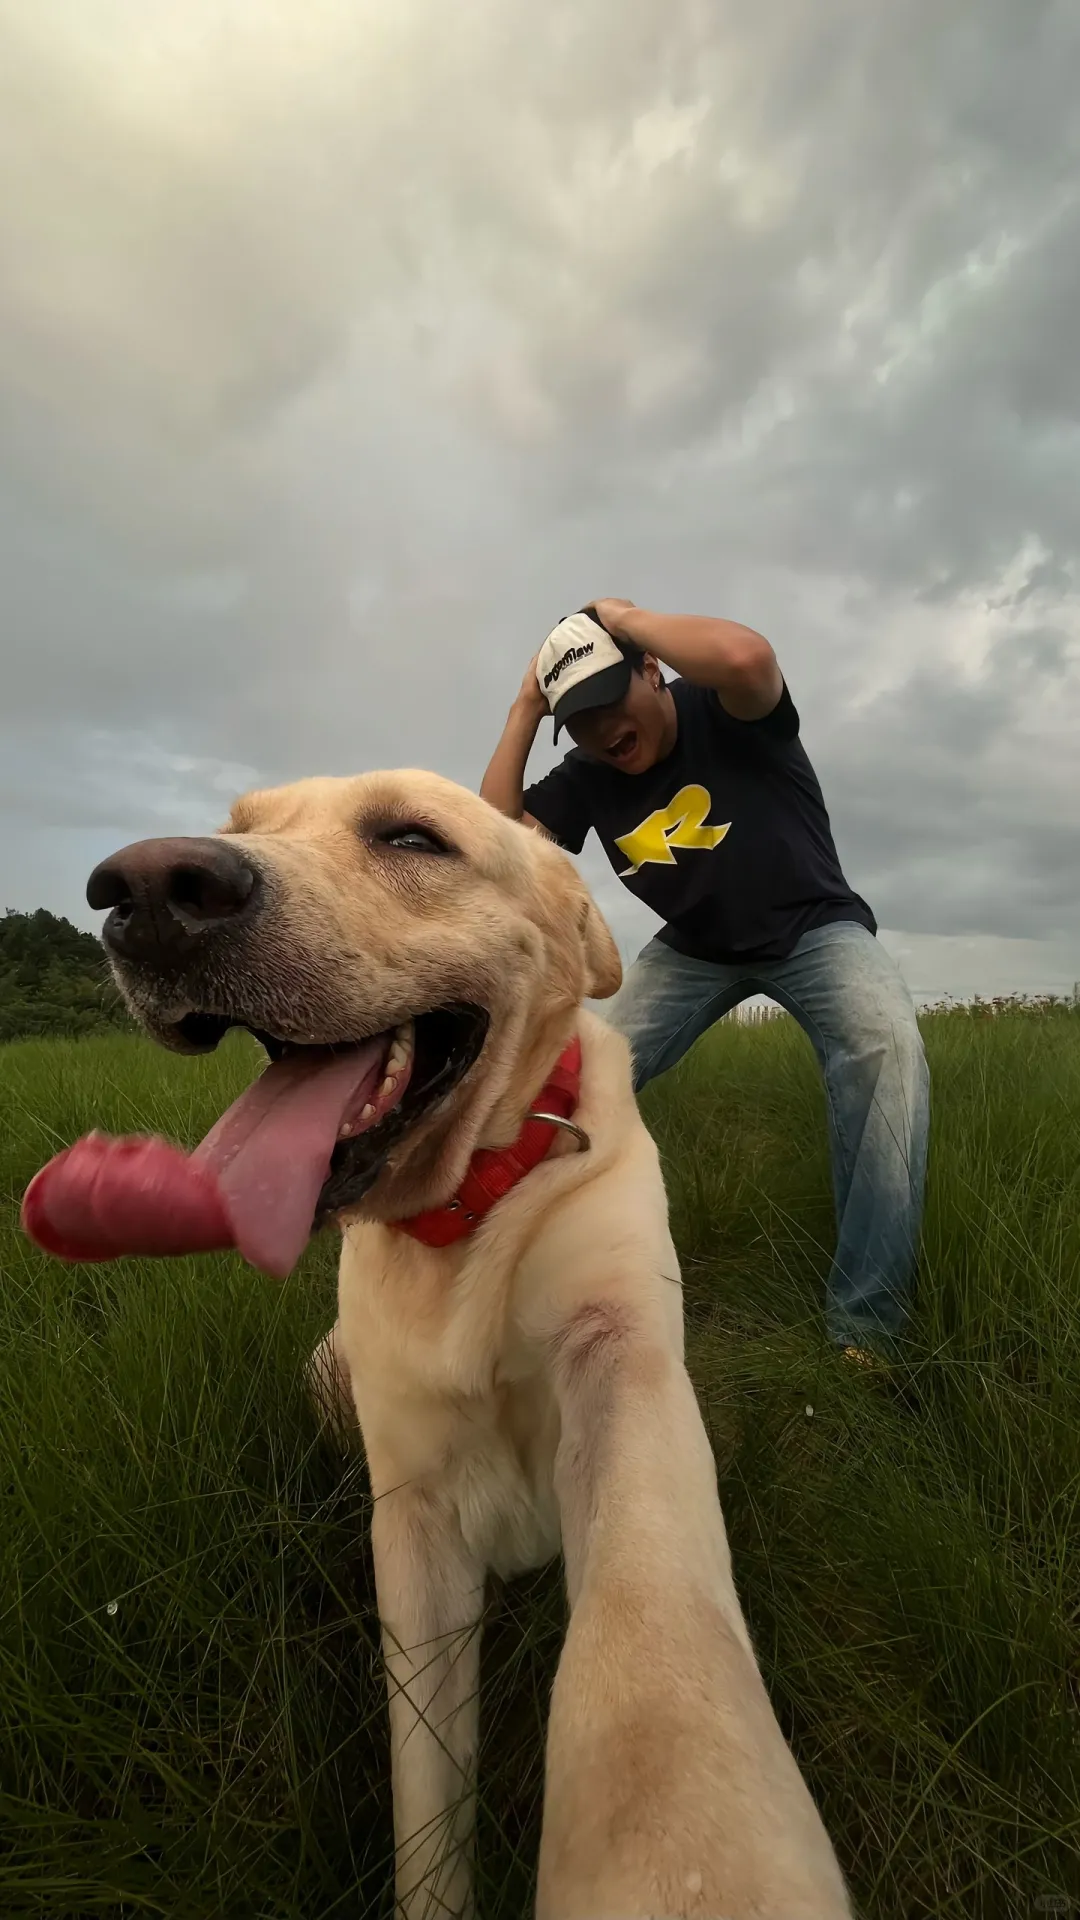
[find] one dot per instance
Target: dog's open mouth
(307, 1139)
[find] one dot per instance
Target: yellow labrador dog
(509, 1334)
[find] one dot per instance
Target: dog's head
(394, 909)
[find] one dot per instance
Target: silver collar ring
(556, 1120)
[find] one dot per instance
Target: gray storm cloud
(344, 347)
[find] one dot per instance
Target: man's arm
(736, 662)
(504, 782)
(559, 807)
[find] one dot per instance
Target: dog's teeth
(401, 1049)
(345, 1131)
(387, 1085)
(368, 1112)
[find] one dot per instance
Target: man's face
(633, 733)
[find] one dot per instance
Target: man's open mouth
(623, 746)
(306, 1140)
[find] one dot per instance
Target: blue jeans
(849, 998)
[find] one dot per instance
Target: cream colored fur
(524, 1392)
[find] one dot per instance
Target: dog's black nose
(164, 895)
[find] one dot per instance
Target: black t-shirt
(727, 839)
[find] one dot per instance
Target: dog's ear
(603, 968)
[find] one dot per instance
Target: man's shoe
(895, 1380)
(863, 1357)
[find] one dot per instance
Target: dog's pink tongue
(271, 1150)
(104, 1197)
(253, 1183)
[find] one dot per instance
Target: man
(706, 804)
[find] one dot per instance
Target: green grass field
(191, 1712)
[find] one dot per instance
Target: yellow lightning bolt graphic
(681, 824)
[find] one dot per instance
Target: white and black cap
(580, 666)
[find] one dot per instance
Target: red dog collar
(493, 1171)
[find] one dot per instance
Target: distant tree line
(53, 979)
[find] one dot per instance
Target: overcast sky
(347, 344)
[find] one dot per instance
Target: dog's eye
(413, 840)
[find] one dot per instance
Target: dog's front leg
(430, 1593)
(330, 1386)
(670, 1790)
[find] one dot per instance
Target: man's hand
(609, 613)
